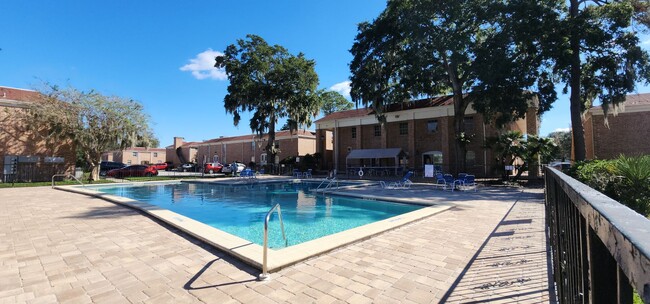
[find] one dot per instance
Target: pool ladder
(329, 183)
(66, 175)
(265, 271)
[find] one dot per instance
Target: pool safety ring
(360, 172)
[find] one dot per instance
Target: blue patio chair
(297, 173)
(307, 174)
(440, 181)
(450, 182)
(404, 183)
(468, 183)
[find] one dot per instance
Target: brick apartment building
(244, 149)
(627, 133)
(137, 156)
(37, 158)
(422, 129)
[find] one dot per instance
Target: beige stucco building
(137, 156)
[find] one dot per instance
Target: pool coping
(251, 253)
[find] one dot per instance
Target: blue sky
(159, 52)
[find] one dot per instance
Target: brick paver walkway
(63, 247)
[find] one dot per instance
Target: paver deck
(64, 247)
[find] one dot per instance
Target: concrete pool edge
(251, 253)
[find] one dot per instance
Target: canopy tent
(379, 158)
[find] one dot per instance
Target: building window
(128, 162)
(403, 128)
(155, 154)
(432, 126)
(277, 145)
(135, 154)
(470, 158)
(469, 123)
(263, 158)
(354, 132)
(377, 130)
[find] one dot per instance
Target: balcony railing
(600, 248)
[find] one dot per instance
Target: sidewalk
(63, 247)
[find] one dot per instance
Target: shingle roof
(633, 100)
(409, 105)
(637, 99)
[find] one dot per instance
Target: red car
(160, 166)
(212, 168)
(134, 170)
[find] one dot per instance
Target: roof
(375, 153)
(17, 94)
(637, 99)
(633, 100)
(284, 133)
(408, 105)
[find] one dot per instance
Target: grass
(56, 183)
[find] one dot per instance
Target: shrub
(625, 179)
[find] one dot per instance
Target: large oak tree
(479, 51)
(271, 83)
(598, 56)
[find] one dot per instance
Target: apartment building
(245, 148)
(422, 129)
(25, 154)
(137, 156)
(627, 130)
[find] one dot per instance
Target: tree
(332, 101)
(563, 141)
(93, 122)
(479, 51)
(511, 146)
(598, 56)
(270, 82)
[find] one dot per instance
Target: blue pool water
(240, 210)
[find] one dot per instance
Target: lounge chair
(467, 183)
(440, 181)
(404, 183)
(307, 174)
(450, 182)
(297, 173)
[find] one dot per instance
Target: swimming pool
(240, 209)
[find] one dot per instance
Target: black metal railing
(600, 248)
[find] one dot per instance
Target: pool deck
(65, 247)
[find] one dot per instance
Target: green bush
(625, 179)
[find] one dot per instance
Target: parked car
(160, 166)
(228, 168)
(133, 170)
(560, 165)
(212, 168)
(187, 167)
(106, 166)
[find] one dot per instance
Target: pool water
(240, 210)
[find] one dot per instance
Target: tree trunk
(94, 173)
(270, 144)
(460, 106)
(576, 71)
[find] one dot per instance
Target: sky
(161, 53)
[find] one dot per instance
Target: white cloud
(562, 130)
(342, 87)
(202, 67)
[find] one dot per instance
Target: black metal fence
(600, 248)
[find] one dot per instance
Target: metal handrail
(66, 175)
(265, 273)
